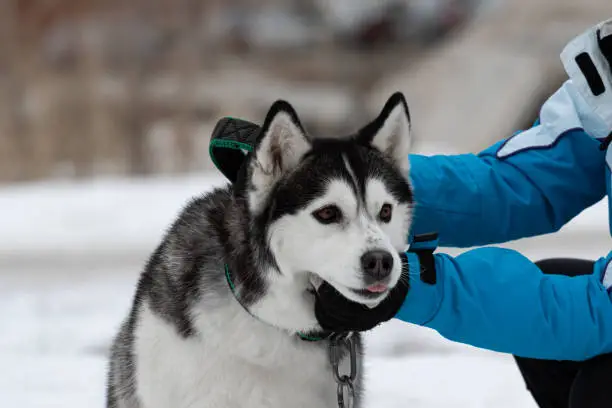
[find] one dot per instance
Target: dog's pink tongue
(377, 288)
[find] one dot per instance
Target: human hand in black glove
(336, 313)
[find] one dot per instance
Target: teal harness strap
(303, 336)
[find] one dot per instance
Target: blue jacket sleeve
(530, 184)
(497, 299)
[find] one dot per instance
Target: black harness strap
(231, 141)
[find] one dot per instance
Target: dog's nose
(377, 264)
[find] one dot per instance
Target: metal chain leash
(346, 389)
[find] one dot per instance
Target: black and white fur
(188, 342)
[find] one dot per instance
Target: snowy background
(70, 254)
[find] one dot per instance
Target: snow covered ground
(69, 257)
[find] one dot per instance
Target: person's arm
(497, 299)
(530, 184)
(537, 180)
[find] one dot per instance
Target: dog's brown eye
(385, 213)
(328, 214)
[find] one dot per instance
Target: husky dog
(217, 310)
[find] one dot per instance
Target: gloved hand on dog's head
(336, 313)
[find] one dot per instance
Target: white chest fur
(236, 361)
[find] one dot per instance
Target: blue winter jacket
(530, 184)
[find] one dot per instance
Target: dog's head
(335, 209)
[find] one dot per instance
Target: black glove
(338, 314)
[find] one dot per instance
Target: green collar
(317, 336)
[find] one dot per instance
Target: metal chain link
(346, 389)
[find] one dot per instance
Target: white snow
(100, 216)
(70, 254)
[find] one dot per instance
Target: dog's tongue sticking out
(378, 288)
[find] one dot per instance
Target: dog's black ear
(391, 132)
(281, 145)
